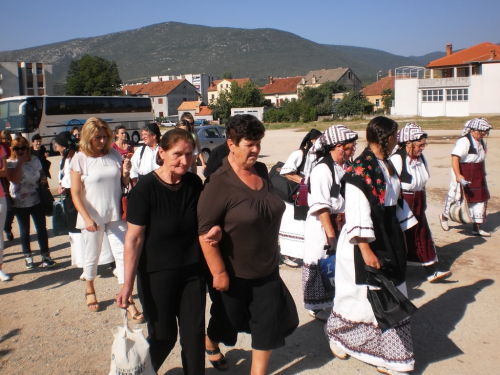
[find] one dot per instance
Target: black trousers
(171, 297)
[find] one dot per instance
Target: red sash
(477, 190)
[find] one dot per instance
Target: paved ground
(46, 329)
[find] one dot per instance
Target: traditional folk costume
(414, 174)
(471, 154)
(291, 235)
(374, 211)
(324, 178)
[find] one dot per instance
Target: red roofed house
(166, 96)
(197, 108)
(464, 83)
(223, 85)
(373, 92)
(279, 89)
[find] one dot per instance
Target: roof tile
(377, 87)
(282, 85)
(160, 88)
(480, 53)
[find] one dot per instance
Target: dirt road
(45, 327)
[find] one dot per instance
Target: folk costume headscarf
(410, 132)
(334, 135)
(476, 124)
(305, 146)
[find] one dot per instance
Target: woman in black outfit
(162, 247)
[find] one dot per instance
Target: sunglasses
(22, 148)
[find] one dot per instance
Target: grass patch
(426, 123)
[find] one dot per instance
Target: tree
(320, 98)
(222, 107)
(227, 75)
(387, 98)
(354, 103)
(92, 76)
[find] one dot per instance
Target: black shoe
(47, 262)
(10, 236)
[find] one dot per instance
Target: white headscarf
(476, 123)
(410, 132)
(334, 135)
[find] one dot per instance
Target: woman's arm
(3, 171)
(326, 222)
(200, 155)
(455, 165)
(368, 255)
(76, 194)
(134, 239)
(126, 167)
(14, 174)
(294, 177)
(215, 264)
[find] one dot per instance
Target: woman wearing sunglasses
(25, 174)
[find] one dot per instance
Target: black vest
(404, 175)
(472, 149)
(336, 188)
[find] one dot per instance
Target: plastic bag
(130, 351)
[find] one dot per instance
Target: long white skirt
(353, 326)
(291, 234)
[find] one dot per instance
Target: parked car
(210, 136)
(168, 123)
(200, 122)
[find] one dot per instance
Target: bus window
(117, 105)
(52, 106)
(130, 104)
(102, 105)
(143, 105)
(85, 105)
(68, 106)
(10, 117)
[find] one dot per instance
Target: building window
(377, 102)
(432, 95)
(213, 96)
(161, 114)
(457, 95)
(160, 100)
(227, 85)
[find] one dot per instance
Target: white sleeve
(292, 163)
(321, 183)
(357, 215)
(405, 216)
(136, 158)
(397, 161)
(78, 163)
(461, 148)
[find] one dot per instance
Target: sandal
(219, 364)
(137, 317)
(93, 306)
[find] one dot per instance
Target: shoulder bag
(46, 200)
(283, 187)
(459, 209)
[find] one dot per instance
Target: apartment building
(25, 78)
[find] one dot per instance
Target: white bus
(50, 115)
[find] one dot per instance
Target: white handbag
(130, 351)
(459, 209)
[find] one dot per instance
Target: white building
(201, 81)
(254, 111)
(25, 78)
(465, 83)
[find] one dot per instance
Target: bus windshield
(19, 115)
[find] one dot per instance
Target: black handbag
(286, 189)
(59, 226)
(46, 200)
(389, 305)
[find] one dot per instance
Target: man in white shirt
(144, 159)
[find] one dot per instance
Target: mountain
(175, 48)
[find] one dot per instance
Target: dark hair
(186, 124)
(75, 128)
(307, 140)
(35, 137)
(244, 126)
(170, 139)
(119, 127)
(187, 115)
(378, 131)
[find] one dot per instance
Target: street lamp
(379, 72)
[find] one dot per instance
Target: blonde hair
(20, 141)
(89, 130)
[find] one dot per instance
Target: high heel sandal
(221, 363)
(92, 306)
(138, 317)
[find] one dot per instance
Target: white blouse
(416, 168)
(461, 150)
(358, 211)
(321, 182)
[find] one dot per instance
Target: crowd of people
(179, 236)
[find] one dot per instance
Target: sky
(401, 27)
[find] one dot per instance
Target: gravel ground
(45, 327)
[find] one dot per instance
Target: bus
(51, 115)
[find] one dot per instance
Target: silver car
(210, 136)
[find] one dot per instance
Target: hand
(127, 166)
(370, 259)
(91, 225)
(123, 297)
(213, 236)
(43, 180)
(459, 177)
(61, 190)
(333, 243)
(221, 281)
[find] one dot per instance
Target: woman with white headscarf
(326, 206)
(411, 166)
(467, 162)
